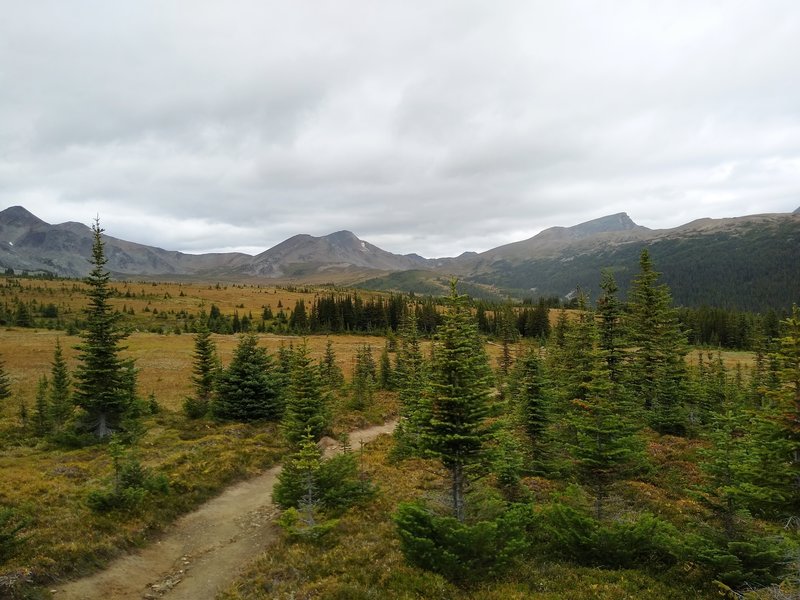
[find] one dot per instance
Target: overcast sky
(422, 126)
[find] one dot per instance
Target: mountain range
(750, 262)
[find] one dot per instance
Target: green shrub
(132, 483)
(462, 553)
(299, 528)
(753, 560)
(11, 525)
(328, 484)
(640, 543)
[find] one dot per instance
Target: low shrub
(462, 553)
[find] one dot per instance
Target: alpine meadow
(609, 444)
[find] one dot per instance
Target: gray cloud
(424, 127)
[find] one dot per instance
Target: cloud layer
(430, 127)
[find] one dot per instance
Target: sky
(426, 126)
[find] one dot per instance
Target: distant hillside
(750, 263)
(341, 250)
(29, 244)
(746, 262)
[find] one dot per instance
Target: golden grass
(164, 361)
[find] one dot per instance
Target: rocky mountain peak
(608, 224)
(17, 216)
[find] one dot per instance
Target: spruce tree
(724, 462)
(307, 408)
(364, 378)
(41, 411)
(246, 390)
(5, 383)
(508, 334)
(658, 369)
(605, 444)
(411, 379)
(460, 386)
(330, 371)
(609, 311)
(385, 373)
(60, 389)
(788, 401)
(204, 373)
(531, 401)
(102, 377)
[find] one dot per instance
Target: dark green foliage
(299, 319)
(508, 333)
(22, 315)
(385, 372)
(605, 445)
(463, 553)
(612, 332)
(41, 409)
(61, 407)
(725, 462)
(307, 403)
(5, 383)
(102, 377)
(530, 397)
(752, 267)
(460, 384)
(644, 542)
(307, 482)
(330, 371)
(657, 377)
(131, 482)
(12, 523)
(204, 374)
(362, 387)
(411, 380)
(246, 390)
(753, 560)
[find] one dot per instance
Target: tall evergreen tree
(204, 373)
(411, 379)
(531, 401)
(60, 389)
(606, 444)
(307, 410)
(246, 389)
(460, 387)
(658, 369)
(788, 400)
(330, 370)
(102, 386)
(41, 409)
(385, 372)
(609, 311)
(22, 315)
(724, 462)
(364, 378)
(508, 334)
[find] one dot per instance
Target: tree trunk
(458, 492)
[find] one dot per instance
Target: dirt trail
(203, 551)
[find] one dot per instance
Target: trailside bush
(330, 484)
(642, 542)
(752, 560)
(132, 482)
(462, 553)
(11, 524)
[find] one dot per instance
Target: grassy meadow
(63, 538)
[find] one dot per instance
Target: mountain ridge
(700, 260)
